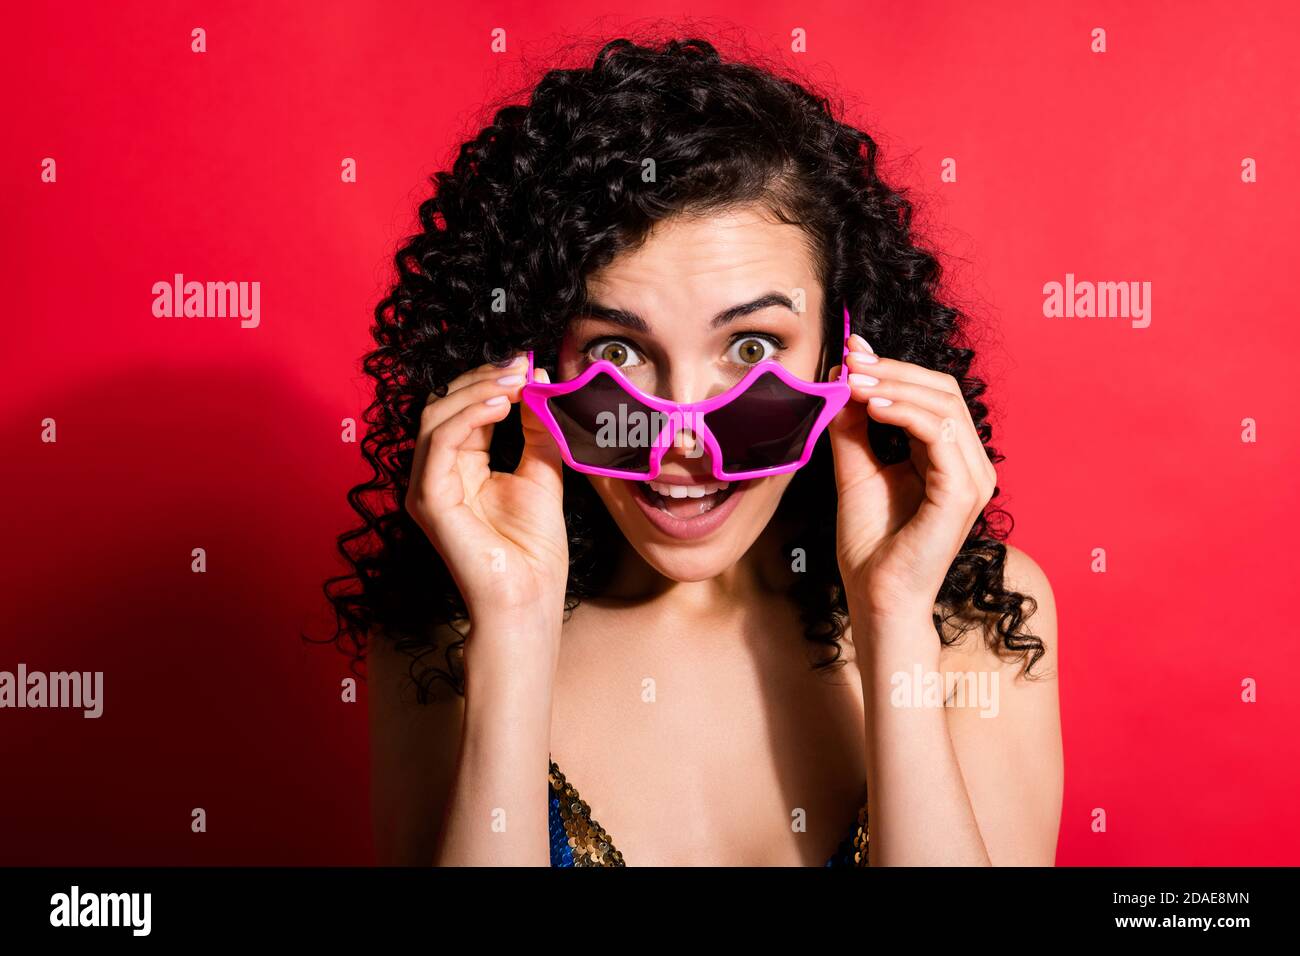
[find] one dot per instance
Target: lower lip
(686, 529)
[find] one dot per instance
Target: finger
(478, 384)
(488, 370)
(453, 401)
(850, 448)
(862, 360)
(436, 413)
(441, 484)
(949, 407)
(541, 461)
(950, 473)
(507, 382)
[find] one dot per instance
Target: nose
(686, 385)
(686, 450)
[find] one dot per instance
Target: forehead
(702, 264)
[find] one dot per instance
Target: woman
(714, 673)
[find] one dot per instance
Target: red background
(183, 433)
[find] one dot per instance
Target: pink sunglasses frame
(835, 393)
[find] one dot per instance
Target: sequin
(578, 840)
(854, 850)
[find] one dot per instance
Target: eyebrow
(631, 320)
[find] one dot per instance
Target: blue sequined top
(578, 840)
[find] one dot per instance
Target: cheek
(615, 492)
(764, 496)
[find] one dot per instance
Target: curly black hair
(556, 189)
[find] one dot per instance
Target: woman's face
(684, 317)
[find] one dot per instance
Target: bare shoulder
(1037, 628)
(413, 752)
(1023, 575)
(1005, 727)
(1006, 732)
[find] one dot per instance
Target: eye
(615, 351)
(752, 349)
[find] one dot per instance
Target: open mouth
(686, 501)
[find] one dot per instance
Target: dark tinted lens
(606, 427)
(767, 425)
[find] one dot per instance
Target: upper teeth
(686, 491)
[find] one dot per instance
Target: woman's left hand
(901, 526)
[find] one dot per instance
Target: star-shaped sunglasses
(768, 423)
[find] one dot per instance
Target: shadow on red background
(211, 699)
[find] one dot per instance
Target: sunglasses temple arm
(530, 365)
(844, 364)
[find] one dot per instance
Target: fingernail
(868, 357)
(496, 400)
(857, 378)
(511, 380)
(878, 401)
(864, 344)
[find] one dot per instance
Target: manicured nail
(862, 345)
(878, 401)
(511, 380)
(496, 400)
(868, 357)
(857, 378)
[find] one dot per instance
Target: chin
(685, 546)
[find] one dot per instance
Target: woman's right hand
(502, 535)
